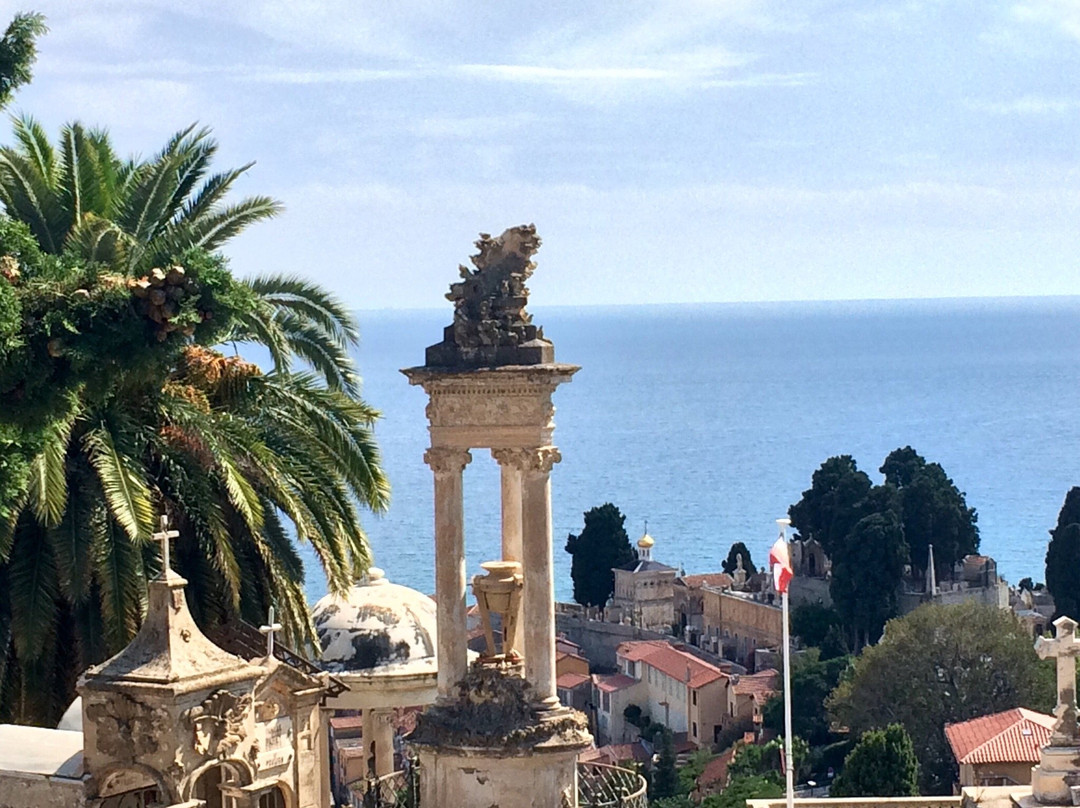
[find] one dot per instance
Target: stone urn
(499, 592)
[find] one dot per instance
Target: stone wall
(599, 639)
(741, 623)
(862, 802)
(39, 791)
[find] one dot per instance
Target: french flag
(780, 562)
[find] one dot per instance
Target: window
(695, 728)
(693, 699)
(606, 703)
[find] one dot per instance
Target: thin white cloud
(1063, 15)
(1026, 105)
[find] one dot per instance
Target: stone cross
(1065, 647)
(269, 630)
(163, 536)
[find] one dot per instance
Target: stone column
(538, 612)
(384, 742)
(511, 462)
(367, 737)
(448, 465)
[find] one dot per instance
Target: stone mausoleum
(175, 720)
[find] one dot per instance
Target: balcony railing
(604, 786)
(599, 786)
(395, 790)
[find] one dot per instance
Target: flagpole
(789, 768)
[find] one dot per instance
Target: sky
(668, 152)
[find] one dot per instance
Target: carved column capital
(541, 459)
(447, 460)
(511, 458)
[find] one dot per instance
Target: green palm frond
(48, 491)
(27, 196)
(209, 195)
(242, 495)
(36, 147)
(34, 593)
(326, 355)
(98, 240)
(8, 526)
(123, 483)
(310, 301)
(119, 573)
(211, 230)
(73, 543)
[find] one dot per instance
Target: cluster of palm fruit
(160, 295)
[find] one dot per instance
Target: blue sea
(708, 420)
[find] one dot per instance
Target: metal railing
(604, 786)
(395, 790)
(599, 786)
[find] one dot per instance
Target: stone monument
(1056, 780)
(495, 737)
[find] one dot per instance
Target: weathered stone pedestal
(1057, 773)
(487, 747)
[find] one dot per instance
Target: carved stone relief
(217, 724)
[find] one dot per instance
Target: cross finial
(269, 630)
(163, 536)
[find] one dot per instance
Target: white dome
(378, 627)
(72, 718)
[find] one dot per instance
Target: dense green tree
(934, 512)
(600, 547)
(111, 380)
(867, 575)
(741, 789)
(730, 563)
(810, 622)
(812, 680)
(828, 509)
(1063, 558)
(938, 665)
(18, 50)
(882, 764)
(665, 778)
(751, 760)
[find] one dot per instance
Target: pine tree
(1063, 558)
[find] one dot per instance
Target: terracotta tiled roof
(568, 681)
(346, 722)
(760, 686)
(565, 646)
(717, 579)
(561, 655)
(615, 754)
(1014, 736)
(715, 773)
(671, 661)
(613, 681)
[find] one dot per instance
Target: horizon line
(781, 301)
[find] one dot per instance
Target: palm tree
(237, 457)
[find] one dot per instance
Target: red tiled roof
(561, 655)
(671, 661)
(1014, 736)
(615, 754)
(718, 579)
(716, 770)
(568, 681)
(613, 681)
(346, 722)
(564, 645)
(760, 686)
